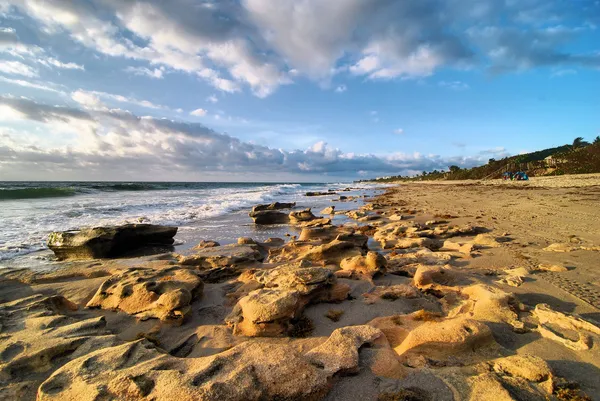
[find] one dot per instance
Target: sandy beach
(431, 291)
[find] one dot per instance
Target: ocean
(29, 211)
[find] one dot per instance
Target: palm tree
(597, 140)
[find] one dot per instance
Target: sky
(289, 90)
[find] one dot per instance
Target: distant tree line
(580, 157)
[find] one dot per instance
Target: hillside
(579, 158)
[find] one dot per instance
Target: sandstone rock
(558, 247)
(318, 222)
(356, 214)
(273, 206)
(332, 252)
(551, 322)
(301, 216)
(273, 309)
(397, 217)
(327, 233)
(250, 371)
(39, 335)
(149, 293)
(206, 244)
(265, 217)
(486, 240)
(328, 210)
(340, 352)
(429, 276)
(222, 256)
(390, 292)
(450, 337)
(489, 304)
(371, 264)
(108, 242)
(417, 243)
(551, 268)
(528, 367)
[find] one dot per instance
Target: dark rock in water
(273, 206)
(109, 241)
(269, 217)
(319, 193)
(301, 216)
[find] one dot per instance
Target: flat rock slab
(109, 241)
(222, 256)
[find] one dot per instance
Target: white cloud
(341, 89)
(212, 99)
(92, 99)
(156, 73)
(52, 62)
(17, 68)
(109, 142)
(45, 86)
(454, 85)
(399, 131)
(198, 112)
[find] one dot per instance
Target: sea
(29, 211)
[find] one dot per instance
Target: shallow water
(216, 211)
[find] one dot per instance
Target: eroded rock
(109, 241)
(163, 294)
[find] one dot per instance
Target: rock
(222, 256)
(39, 335)
(327, 233)
(250, 371)
(246, 241)
(528, 367)
(332, 252)
(557, 326)
(417, 243)
(551, 268)
(489, 304)
(328, 210)
(486, 240)
(274, 309)
(265, 217)
(164, 294)
(390, 293)
(450, 337)
(427, 277)
(561, 248)
(206, 244)
(318, 222)
(359, 240)
(339, 354)
(301, 216)
(273, 206)
(319, 193)
(371, 264)
(397, 217)
(109, 241)
(356, 214)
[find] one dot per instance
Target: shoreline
(452, 253)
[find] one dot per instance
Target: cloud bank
(264, 44)
(117, 143)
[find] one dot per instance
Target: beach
(423, 291)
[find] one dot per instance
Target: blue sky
(297, 90)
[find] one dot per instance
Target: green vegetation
(581, 157)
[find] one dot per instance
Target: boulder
(332, 252)
(371, 264)
(432, 276)
(275, 308)
(446, 338)
(109, 241)
(561, 247)
(264, 217)
(164, 294)
(486, 240)
(551, 268)
(222, 256)
(206, 244)
(273, 206)
(328, 210)
(319, 193)
(339, 354)
(301, 216)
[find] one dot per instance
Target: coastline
(517, 224)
